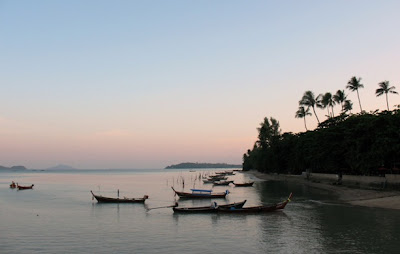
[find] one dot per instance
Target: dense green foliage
(354, 144)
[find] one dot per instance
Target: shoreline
(347, 195)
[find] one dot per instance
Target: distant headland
(202, 165)
(61, 167)
(13, 168)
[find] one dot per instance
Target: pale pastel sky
(146, 84)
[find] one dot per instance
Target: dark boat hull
(191, 195)
(206, 209)
(25, 187)
(255, 209)
(222, 183)
(182, 194)
(243, 184)
(102, 199)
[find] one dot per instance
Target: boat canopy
(198, 190)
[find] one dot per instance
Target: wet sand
(345, 194)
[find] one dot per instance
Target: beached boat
(244, 184)
(20, 187)
(197, 193)
(256, 209)
(102, 199)
(206, 209)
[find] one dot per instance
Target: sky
(146, 84)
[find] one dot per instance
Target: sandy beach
(345, 194)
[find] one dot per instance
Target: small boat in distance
(244, 184)
(208, 181)
(256, 209)
(225, 173)
(197, 193)
(20, 187)
(222, 182)
(102, 199)
(206, 209)
(217, 177)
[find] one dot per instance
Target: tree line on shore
(349, 143)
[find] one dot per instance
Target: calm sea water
(59, 216)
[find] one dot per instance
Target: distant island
(13, 168)
(60, 167)
(202, 165)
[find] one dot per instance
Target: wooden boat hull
(188, 195)
(255, 209)
(243, 184)
(25, 187)
(222, 183)
(218, 178)
(206, 209)
(191, 195)
(102, 199)
(230, 173)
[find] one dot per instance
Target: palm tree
(302, 113)
(347, 106)
(385, 89)
(353, 85)
(327, 100)
(321, 103)
(340, 97)
(309, 100)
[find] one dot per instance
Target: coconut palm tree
(347, 106)
(308, 100)
(328, 100)
(353, 85)
(340, 98)
(302, 113)
(385, 89)
(321, 103)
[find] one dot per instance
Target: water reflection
(68, 217)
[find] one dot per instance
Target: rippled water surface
(59, 216)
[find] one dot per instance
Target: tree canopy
(354, 144)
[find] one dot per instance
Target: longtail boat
(20, 187)
(197, 193)
(222, 182)
(206, 209)
(224, 173)
(244, 184)
(208, 181)
(217, 177)
(255, 209)
(102, 199)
